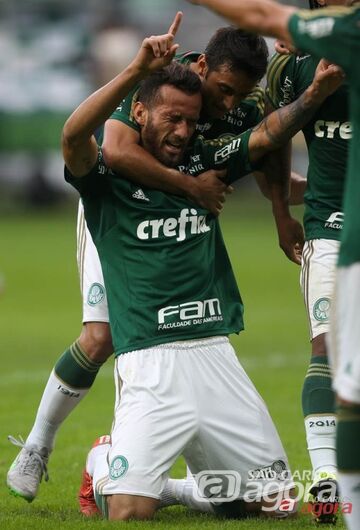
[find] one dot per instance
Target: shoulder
(287, 77)
(125, 110)
(187, 57)
(255, 100)
(279, 66)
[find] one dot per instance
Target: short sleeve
(91, 183)
(124, 111)
(331, 33)
(231, 154)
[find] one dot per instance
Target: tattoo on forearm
(283, 124)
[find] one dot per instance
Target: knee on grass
(131, 507)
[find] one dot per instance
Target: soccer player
(333, 33)
(230, 69)
(232, 65)
(169, 317)
(327, 137)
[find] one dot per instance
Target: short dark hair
(238, 50)
(314, 4)
(177, 75)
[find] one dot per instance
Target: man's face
(169, 124)
(223, 89)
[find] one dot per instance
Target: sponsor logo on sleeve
(318, 28)
(223, 154)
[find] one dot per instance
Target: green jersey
(166, 270)
(248, 114)
(335, 34)
(327, 137)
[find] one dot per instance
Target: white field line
(273, 360)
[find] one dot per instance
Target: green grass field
(40, 314)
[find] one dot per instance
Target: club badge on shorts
(96, 294)
(322, 309)
(118, 467)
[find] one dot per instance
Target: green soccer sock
(69, 382)
(318, 403)
(75, 368)
(101, 503)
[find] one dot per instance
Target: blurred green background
(53, 54)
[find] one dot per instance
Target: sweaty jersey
(167, 273)
(334, 33)
(246, 115)
(327, 136)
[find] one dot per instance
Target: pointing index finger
(176, 23)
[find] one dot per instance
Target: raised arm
(124, 154)
(78, 141)
(259, 16)
(279, 126)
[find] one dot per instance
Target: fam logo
(96, 294)
(189, 313)
(321, 309)
(118, 467)
(223, 154)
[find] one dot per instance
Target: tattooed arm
(279, 126)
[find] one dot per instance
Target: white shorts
(95, 307)
(191, 398)
(345, 333)
(318, 268)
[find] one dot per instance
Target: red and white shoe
(88, 506)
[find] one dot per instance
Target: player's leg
(345, 353)
(237, 453)
(154, 419)
(72, 376)
(318, 399)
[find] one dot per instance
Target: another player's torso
(166, 269)
(327, 136)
